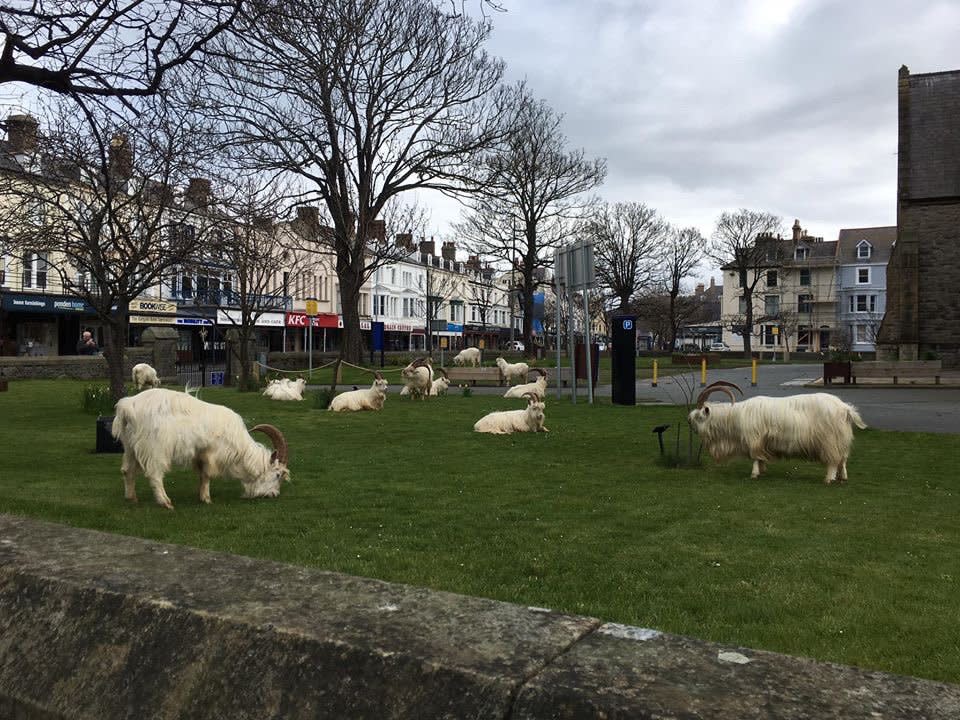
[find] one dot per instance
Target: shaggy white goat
(538, 386)
(285, 389)
(513, 371)
(162, 428)
(504, 422)
(441, 384)
(418, 378)
(144, 375)
(371, 398)
(468, 356)
(814, 427)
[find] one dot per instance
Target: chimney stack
(427, 247)
(22, 134)
(262, 224)
(198, 193)
(796, 230)
(378, 230)
(405, 240)
(121, 157)
(307, 222)
(449, 251)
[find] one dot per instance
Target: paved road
(923, 409)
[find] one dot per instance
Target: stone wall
(102, 626)
(74, 367)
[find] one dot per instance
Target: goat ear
(274, 457)
(706, 411)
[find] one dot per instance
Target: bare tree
(439, 288)
(104, 213)
(110, 48)
(745, 241)
(361, 101)
(532, 194)
(680, 254)
(248, 242)
(626, 240)
(483, 296)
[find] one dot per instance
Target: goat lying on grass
(504, 422)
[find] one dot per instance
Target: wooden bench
(898, 369)
(473, 374)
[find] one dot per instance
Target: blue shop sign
(23, 302)
(193, 321)
(454, 327)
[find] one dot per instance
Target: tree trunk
(351, 348)
(527, 321)
(673, 320)
(115, 343)
(243, 336)
(748, 325)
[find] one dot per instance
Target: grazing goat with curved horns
(505, 422)
(162, 428)
(814, 427)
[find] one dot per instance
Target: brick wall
(74, 367)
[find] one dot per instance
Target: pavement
(919, 408)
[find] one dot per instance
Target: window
(864, 250)
(771, 278)
(803, 337)
(393, 276)
(28, 269)
(863, 303)
(863, 276)
(286, 283)
(771, 305)
(379, 305)
(187, 288)
(769, 336)
(804, 276)
(861, 334)
(42, 266)
(407, 279)
(742, 305)
(801, 253)
(805, 303)
(473, 313)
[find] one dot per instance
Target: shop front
(270, 328)
(34, 324)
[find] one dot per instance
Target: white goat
(504, 422)
(468, 356)
(418, 378)
(371, 398)
(441, 384)
(144, 375)
(814, 427)
(538, 386)
(163, 428)
(513, 371)
(285, 389)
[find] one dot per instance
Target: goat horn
(707, 392)
(540, 370)
(442, 372)
(724, 383)
(534, 397)
(276, 437)
(378, 375)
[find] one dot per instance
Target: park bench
(899, 369)
(473, 374)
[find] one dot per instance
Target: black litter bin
(105, 441)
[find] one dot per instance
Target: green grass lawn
(582, 520)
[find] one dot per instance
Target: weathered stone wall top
(101, 626)
(75, 367)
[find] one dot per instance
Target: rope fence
(321, 367)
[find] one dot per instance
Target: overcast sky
(787, 106)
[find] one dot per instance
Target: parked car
(514, 346)
(719, 347)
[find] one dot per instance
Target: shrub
(322, 398)
(467, 391)
(97, 400)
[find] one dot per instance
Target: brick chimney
(449, 251)
(22, 134)
(405, 240)
(308, 220)
(262, 224)
(198, 193)
(473, 263)
(427, 247)
(121, 157)
(797, 232)
(698, 291)
(378, 230)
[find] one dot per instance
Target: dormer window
(864, 249)
(801, 253)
